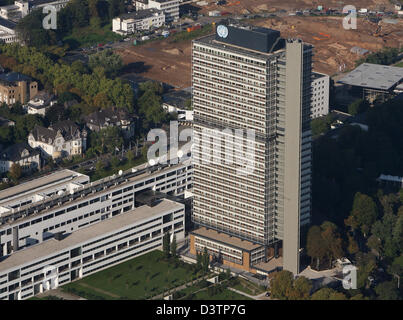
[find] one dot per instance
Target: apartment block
(169, 7)
(320, 95)
(140, 20)
(249, 78)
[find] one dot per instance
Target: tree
(130, 156)
(173, 247)
(15, 171)
(108, 60)
(30, 30)
(301, 289)
(115, 162)
(352, 247)
(328, 294)
(396, 269)
(321, 125)
(331, 241)
(398, 232)
(358, 106)
(205, 260)
(314, 245)
(166, 245)
(99, 166)
(387, 291)
(363, 214)
(282, 284)
(199, 261)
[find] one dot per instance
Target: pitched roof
(18, 151)
(109, 115)
(67, 128)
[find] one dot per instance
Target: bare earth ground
(254, 6)
(332, 43)
(171, 62)
(163, 61)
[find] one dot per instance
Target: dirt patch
(255, 6)
(332, 43)
(169, 62)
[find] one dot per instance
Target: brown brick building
(16, 87)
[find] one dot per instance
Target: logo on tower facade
(222, 31)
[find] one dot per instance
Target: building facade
(170, 8)
(140, 20)
(248, 78)
(66, 201)
(40, 103)
(24, 155)
(88, 250)
(63, 139)
(16, 87)
(320, 95)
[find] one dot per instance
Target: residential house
(23, 154)
(111, 117)
(62, 139)
(40, 103)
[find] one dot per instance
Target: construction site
(335, 48)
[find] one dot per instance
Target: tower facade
(252, 143)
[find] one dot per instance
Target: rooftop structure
(74, 255)
(66, 205)
(374, 76)
(31, 254)
(40, 189)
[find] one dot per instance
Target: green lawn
(248, 287)
(139, 278)
(226, 294)
(46, 298)
(125, 165)
(90, 35)
(400, 64)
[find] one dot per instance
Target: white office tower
(252, 146)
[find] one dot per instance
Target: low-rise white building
(40, 103)
(320, 95)
(140, 20)
(93, 248)
(169, 7)
(7, 31)
(15, 11)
